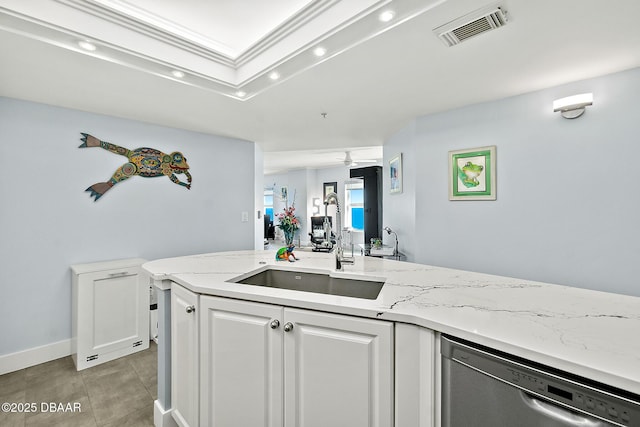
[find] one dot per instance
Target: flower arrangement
(288, 223)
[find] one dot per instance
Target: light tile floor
(113, 394)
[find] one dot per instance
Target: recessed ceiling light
(87, 45)
(387, 15)
(319, 51)
(241, 93)
(177, 74)
(274, 75)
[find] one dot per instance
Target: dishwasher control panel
(574, 393)
(603, 407)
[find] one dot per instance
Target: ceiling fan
(348, 161)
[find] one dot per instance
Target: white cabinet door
(241, 363)
(338, 370)
(110, 311)
(184, 356)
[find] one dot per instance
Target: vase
(288, 237)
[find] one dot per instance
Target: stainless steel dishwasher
(486, 388)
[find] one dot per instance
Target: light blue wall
(258, 197)
(298, 183)
(48, 221)
(398, 212)
(568, 198)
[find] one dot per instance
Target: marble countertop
(588, 333)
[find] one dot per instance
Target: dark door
(372, 176)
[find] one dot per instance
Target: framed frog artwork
(472, 174)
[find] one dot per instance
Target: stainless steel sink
(314, 282)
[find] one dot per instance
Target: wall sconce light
(573, 106)
(316, 206)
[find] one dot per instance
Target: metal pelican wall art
(145, 162)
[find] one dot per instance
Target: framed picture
(284, 194)
(395, 174)
(329, 187)
(472, 174)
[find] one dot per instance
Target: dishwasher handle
(559, 413)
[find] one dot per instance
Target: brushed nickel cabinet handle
(119, 274)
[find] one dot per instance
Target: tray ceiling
(235, 49)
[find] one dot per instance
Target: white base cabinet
(273, 366)
(110, 317)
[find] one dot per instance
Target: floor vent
(470, 25)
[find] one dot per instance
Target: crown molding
(307, 14)
(98, 10)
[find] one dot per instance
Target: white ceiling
(229, 26)
(375, 81)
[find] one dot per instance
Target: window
(268, 203)
(354, 205)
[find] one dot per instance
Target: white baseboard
(161, 417)
(34, 356)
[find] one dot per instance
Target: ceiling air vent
(470, 25)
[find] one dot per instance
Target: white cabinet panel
(121, 314)
(184, 356)
(415, 382)
(110, 311)
(241, 363)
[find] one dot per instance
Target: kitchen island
(592, 334)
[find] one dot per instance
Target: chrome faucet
(332, 198)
